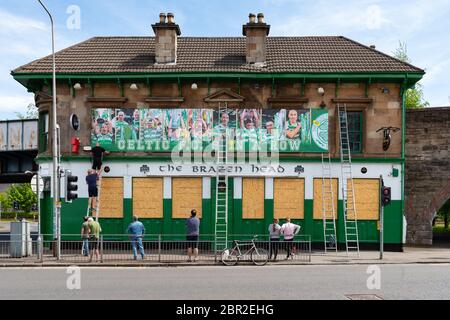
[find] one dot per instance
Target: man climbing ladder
(97, 157)
(91, 180)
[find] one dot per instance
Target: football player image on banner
(152, 124)
(123, 124)
(176, 123)
(161, 130)
(135, 125)
(249, 129)
(273, 125)
(225, 125)
(200, 124)
(102, 128)
(306, 131)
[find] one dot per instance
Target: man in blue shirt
(192, 233)
(136, 230)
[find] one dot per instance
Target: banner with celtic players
(246, 130)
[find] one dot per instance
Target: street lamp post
(56, 182)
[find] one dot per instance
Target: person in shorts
(91, 180)
(192, 234)
(94, 238)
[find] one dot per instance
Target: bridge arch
(427, 180)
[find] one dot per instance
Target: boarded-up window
(318, 209)
(111, 198)
(367, 198)
(148, 197)
(186, 195)
(289, 198)
(253, 198)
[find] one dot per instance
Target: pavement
(411, 255)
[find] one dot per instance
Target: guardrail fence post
(159, 248)
(101, 248)
(41, 249)
(215, 250)
(309, 244)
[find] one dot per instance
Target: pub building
(145, 99)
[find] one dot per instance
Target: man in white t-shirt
(289, 230)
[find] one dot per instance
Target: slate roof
(320, 54)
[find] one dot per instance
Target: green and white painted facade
(72, 213)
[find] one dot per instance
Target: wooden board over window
(111, 198)
(253, 198)
(318, 209)
(148, 197)
(289, 198)
(186, 195)
(367, 198)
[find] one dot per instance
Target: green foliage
(401, 53)
(444, 214)
(23, 194)
(440, 230)
(414, 97)
(5, 202)
(31, 113)
(19, 215)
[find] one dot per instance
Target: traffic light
(385, 195)
(16, 205)
(71, 186)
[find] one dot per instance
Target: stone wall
(427, 184)
(383, 110)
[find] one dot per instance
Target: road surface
(226, 283)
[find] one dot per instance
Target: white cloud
(14, 24)
(323, 18)
(11, 104)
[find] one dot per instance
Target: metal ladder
(221, 225)
(328, 210)
(348, 191)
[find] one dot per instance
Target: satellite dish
(74, 122)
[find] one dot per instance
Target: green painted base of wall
(72, 215)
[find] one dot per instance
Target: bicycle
(258, 256)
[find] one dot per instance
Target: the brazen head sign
(162, 130)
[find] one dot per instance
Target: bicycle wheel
(229, 257)
(260, 256)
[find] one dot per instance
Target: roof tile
(219, 54)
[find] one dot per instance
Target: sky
(424, 26)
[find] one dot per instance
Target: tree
(414, 97)
(444, 213)
(23, 194)
(5, 203)
(31, 113)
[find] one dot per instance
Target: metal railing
(157, 248)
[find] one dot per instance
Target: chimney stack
(256, 33)
(166, 33)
